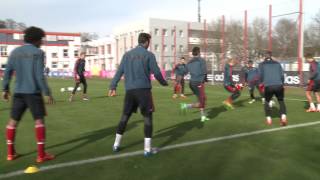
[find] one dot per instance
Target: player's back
(271, 73)
(23, 60)
(197, 69)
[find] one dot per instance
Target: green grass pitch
(84, 130)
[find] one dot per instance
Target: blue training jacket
(271, 73)
(198, 69)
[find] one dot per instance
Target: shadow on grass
(89, 138)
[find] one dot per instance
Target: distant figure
(137, 66)
(47, 71)
(79, 70)
(229, 84)
(28, 63)
(180, 71)
(198, 70)
(272, 77)
(252, 80)
(313, 83)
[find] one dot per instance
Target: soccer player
(137, 65)
(230, 85)
(252, 80)
(180, 71)
(198, 70)
(272, 76)
(79, 69)
(27, 62)
(313, 83)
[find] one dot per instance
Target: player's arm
(156, 70)
(261, 76)
(282, 74)
(313, 71)
(204, 70)
(7, 78)
(116, 78)
(40, 77)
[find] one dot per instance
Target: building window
(165, 32)
(51, 38)
(156, 32)
(65, 53)
(102, 50)
(54, 65)
(156, 48)
(76, 53)
(165, 48)
(173, 32)
(65, 66)
(3, 51)
(54, 55)
(172, 47)
(109, 48)
(181, 49)
(181, 33)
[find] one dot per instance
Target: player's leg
(267, 109)
(85, 87)
(74, 91)
(279, 92)
(202, 102)
(36, 105)
(318, 100)
(309, 91)
(228, 102)
(196, 91)
(182, 87)
(130, 106)
(18, 108)
(176, 87)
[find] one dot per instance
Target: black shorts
(277, 90)
(198, 89)
(32, 101)
(314, 85)
(141, 98)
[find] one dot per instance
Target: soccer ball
(62, 90)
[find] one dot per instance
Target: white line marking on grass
(175, 146)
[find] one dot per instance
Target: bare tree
(258, 37)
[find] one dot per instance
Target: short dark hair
(33, 34)
(250, 62)
(308, 55)
(183, 58)
(195, 51)
(268, 53)
(143, 38)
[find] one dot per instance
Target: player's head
(33, 35)
(309, 57)
(182, 60)
(144, 39)
(196, 51)
(82, 55)
(250, 63)
(267, 55)
(232, 61)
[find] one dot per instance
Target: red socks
(41, 136)
(11, 133)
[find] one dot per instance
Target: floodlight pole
(300, 42)
(270, 28)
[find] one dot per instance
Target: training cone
(31, 170)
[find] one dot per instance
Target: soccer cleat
(204, 118)
(85, 99)
(311, 110)
(252, 101)
(183, 108)
(183, 96)
(227, 105)
(46, 157)
(70, 98)
(115, 149)
(283, 122)
(269, 121)
(174, 96)
(263, 100)
(150, 153)
(12, 157)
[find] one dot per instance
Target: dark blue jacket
(251, 75)
(80, 67)
(271, 73)
(314, 71)
(27, 62)
(137, 65)
(198, 69)
(228, 71)
(180, 70)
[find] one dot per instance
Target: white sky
(102, 16)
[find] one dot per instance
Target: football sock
(188, 106)
(318, 106)
(202, 113)
(147, 144)
(40, 134)
(117, 141)
(312, 106)
(11, 132)
(283, 116)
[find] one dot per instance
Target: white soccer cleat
(252, 101)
